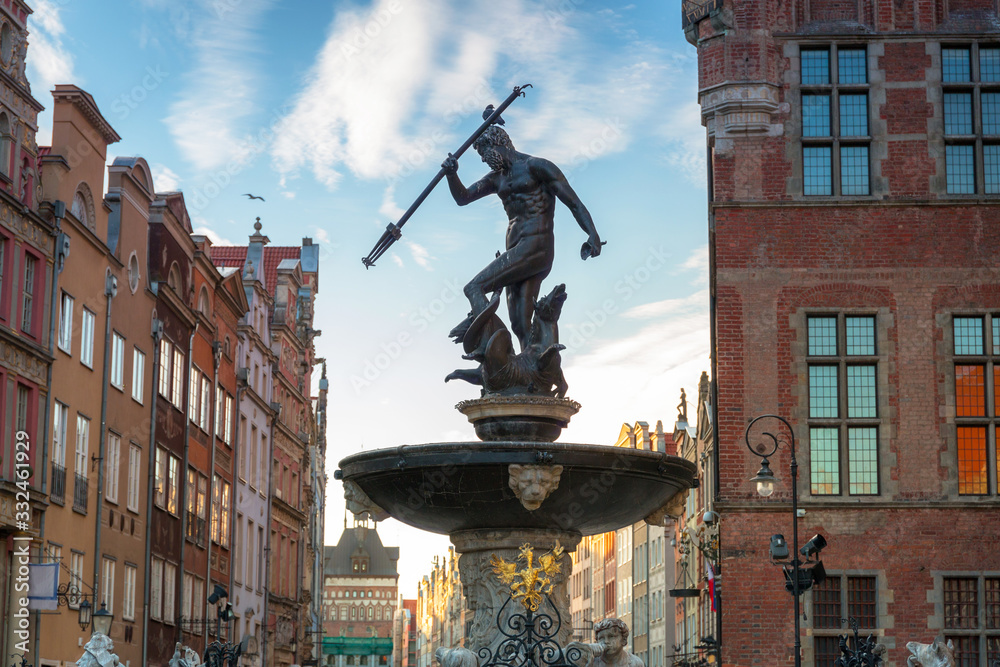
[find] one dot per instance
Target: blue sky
(339, 114)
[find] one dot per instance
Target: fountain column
(485, 594)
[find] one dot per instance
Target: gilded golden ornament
(530, 584)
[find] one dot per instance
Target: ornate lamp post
(765, 487)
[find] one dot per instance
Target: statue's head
(492, 146)
(610, 627)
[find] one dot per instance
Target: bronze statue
(528, 187)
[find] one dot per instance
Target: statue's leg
(524, 261)
(521, 299)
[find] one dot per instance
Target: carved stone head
(533, 484)
(936, 654)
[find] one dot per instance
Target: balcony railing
(80, 493)
(58, 492)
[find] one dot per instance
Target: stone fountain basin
(449, 487)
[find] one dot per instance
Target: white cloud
(207, 122)
(288, 194)
(421, 255)
(201, 227)
(687, 143)
(395, 90)
(647, 368)
(48, 61)
(164, 178)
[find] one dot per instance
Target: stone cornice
(86, 105)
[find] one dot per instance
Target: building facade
(254, 361)
(28, 238)
(441, 615)
(853, 220)
(360, 598)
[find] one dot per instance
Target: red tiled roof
(272, 257)
(229, 255)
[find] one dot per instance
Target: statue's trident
(394, 231)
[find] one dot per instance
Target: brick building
(854, 233)
(360, 598)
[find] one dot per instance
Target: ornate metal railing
(80, 490)
(58, 489)
(529, 640)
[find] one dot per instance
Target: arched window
(378, 613)
(80, 210)
(174, 278)
(343, 613)
(204, 306)
(354, 613)
(371, 612)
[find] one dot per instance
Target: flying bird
(489, 112)
(247, 194)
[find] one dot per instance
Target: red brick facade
(896, 244)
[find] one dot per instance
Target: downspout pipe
(150, 483)
(267, 532)
(216, 358)
(110, 292)
(61, 253)
(182, 506)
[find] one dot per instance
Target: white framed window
(251, 554)
(237, 546)
(228, 416)
(206, 404)
(187, 613)
(134, 477)
(87, 320)
(197, 599)
(108, 584)
(117, 361)
(128, 593)
(138, 373)
(177, 380)
(28, 294)
(156, 589)
(242, 439)
(173, 484)
(219, 393)
(260, 558)
(193, 401)
(169, 591)
(253, 464)
(75, 577)
(160, 492)
(166, 354)
(60, 418)
(82, 444)
(112, 460)
(66, 324)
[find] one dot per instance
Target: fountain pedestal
(485, 594)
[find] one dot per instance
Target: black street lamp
(103, 620)
(765, 487)
(84, 614)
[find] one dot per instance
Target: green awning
(357, 646)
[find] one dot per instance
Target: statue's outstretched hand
(450, 164)
(591, 247)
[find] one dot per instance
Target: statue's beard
(493, 158)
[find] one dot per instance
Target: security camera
(779, 548)
(710, 517)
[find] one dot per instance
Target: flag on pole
(710, 576)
